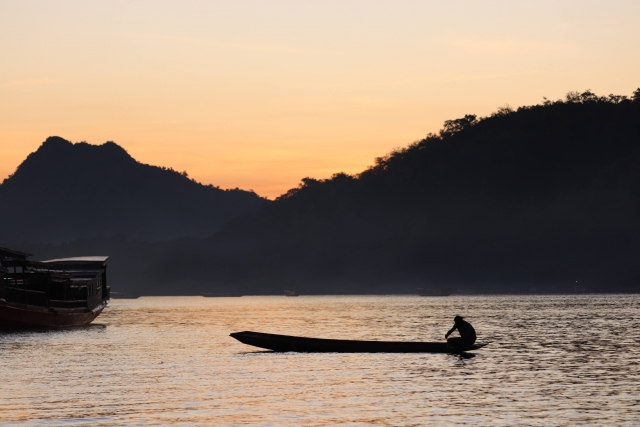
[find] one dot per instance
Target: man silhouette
(466, 331)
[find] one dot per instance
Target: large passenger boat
(54, 293)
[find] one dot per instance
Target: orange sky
(259, 94)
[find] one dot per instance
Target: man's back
(465, 329)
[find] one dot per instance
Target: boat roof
(78, 259)
(10, 253)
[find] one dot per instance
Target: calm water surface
(553, 360)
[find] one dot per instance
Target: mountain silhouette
(544, 197)
(65, 191)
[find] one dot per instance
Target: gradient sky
(259, 94)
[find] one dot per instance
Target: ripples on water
(553, 360)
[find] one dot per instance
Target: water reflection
(157, 361)
(18, 332)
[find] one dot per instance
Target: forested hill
(546, 194)
(64, 191)
(546, 197)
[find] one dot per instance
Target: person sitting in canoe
(466, 331)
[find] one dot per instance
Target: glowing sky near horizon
(259, 94)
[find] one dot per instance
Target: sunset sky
(259, 94)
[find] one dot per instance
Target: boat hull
(14, 317)
(282, 343)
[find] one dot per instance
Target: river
(552, 360)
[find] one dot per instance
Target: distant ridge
(546, 196)
(65, 191)
(542, 198)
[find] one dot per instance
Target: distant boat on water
(220, 295)
(54, 293)
(291, 294)
(124, 295)
(441, 292)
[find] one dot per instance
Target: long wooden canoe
(319, 345)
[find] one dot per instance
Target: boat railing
(30, 283)
(25, 297)
(58, 295)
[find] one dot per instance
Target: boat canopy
(77, 259)
(77, 265)
(10, 253)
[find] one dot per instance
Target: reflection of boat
(54, 293)
(215, 295)
(319, 345)
(441, 292)
(124, 295)
(291, 294)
